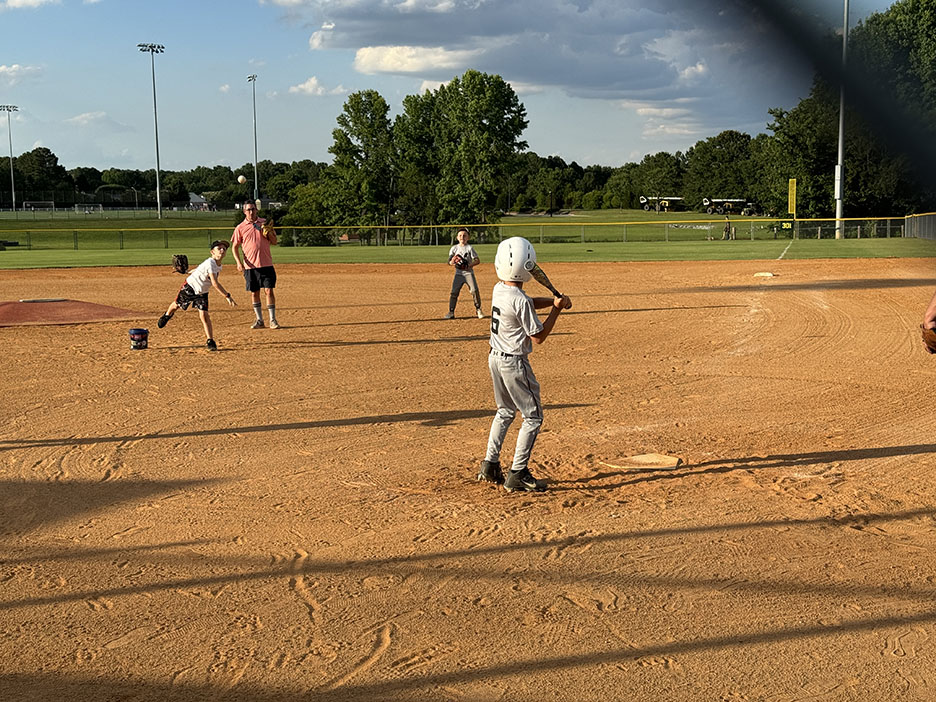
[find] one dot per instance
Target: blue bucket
(139, 338)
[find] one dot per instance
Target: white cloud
(431, 85)
(317, 40)
(25, 4)
(98, 120)
(425, 6)
(691, 72)
(313, 87)
(526, 88)
(11, 75)
(226, 88)
(411, 59)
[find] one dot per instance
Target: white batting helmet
(514, 259)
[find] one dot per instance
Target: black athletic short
(257, 278)
(187, 296)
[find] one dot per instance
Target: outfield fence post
(666, 231)
(120, 239)
(541, 234)
(752, 230)
(166, 238)
(888, 227)
(583, 233)
(75, 236)
(624, 239)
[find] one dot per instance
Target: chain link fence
(921, 226)
(89, 236)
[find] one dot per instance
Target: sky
(603, 81)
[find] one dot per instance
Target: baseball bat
(540, 277)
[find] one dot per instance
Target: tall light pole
(252, 79)
(8, 109)
(840, 166)
(152, 50)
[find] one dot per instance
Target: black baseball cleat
(491, 472)
(212, 346)
(523, 481)
(163, 320)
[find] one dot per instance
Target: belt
(506, 355)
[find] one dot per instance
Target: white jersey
(513, 320)
(200, 278)
(465, 251)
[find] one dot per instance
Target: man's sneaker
(212, 346)
(450, 315)
(163, 320)
(274, 324)
(257, 325)
(491, 472)
(523, 481)
(480, 314)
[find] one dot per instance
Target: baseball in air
(241, 179)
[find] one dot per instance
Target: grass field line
(783, 253)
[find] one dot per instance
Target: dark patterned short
(187, 297)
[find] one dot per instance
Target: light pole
(136, 200)
(152, 50)
(840, 166)
(252, 79)
(8, 109)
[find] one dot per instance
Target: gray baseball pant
(464, 278)
(515, 389)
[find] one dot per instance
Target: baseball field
(740, 501)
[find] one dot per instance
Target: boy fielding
(514, 329)
(194, 291)
(463, 257)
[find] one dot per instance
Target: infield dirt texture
(296, 517)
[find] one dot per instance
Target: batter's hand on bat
(563, 303)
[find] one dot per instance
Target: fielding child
(463, 258)
(515, 327)
(194, 291)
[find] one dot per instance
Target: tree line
(456, 154)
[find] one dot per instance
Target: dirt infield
(296, 516)
(58, 311)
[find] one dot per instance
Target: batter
(515, 327)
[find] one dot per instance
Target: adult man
(257, 267)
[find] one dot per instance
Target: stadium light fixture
(252, 79)
(8, 109)
(152, 50)
(840, 164)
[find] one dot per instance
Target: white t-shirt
(466, 252)
(513, 320)
(200, 279)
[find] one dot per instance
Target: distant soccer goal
(39, 206)
(91, 208)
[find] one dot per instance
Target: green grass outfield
(717, 250)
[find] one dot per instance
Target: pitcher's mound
(58, 311)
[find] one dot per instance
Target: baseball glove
(929, 339)
(458, 261)
(180, 263)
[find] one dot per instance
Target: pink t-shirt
(256, 247)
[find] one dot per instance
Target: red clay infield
(60, 312)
